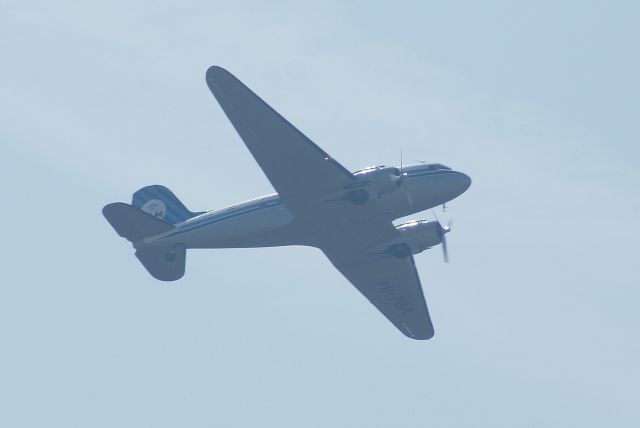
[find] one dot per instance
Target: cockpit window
(437, 167)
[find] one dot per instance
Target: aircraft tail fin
(160, 202)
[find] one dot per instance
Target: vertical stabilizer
(160, 202)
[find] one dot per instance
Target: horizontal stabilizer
(164, 263)
(133, 224)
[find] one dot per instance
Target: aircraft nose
(465, 182)
(458, 184)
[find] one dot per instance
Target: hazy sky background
(536, 318)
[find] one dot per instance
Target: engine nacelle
(417, 236)
(379, 180)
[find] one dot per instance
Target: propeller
(442, 231)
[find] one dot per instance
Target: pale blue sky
(536, 317)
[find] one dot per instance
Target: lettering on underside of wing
(389, 291)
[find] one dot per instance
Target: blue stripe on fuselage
(209, 219)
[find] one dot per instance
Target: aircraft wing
(304, 176)
(391, 284)
(295, 166)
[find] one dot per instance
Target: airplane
(319, 203)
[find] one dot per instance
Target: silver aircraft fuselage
(267, 222)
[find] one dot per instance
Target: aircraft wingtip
(214, 71)
(424, 334)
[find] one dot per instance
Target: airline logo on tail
(155, 207)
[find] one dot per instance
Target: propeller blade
(443, 238)
(445, 252)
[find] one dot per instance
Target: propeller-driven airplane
(319, 203)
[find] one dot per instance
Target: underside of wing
(390, 283)
(295, 166)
